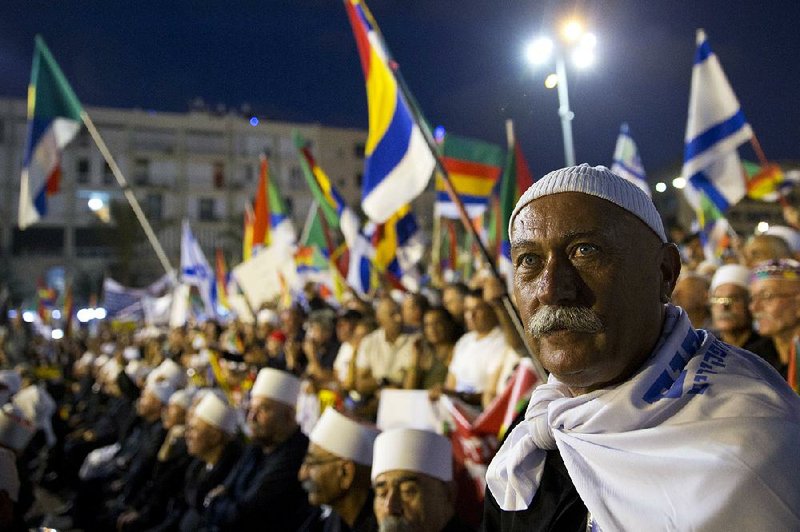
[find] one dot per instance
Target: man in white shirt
(479, 353)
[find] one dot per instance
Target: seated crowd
(270, 425)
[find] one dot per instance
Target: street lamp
(581, 44)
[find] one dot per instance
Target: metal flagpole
(129, 195)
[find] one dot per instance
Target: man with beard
(264, 486)
(412, 475)
(645, 422)
(335, 474)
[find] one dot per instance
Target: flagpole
(129, 195)
(436, 251)
(510, 309)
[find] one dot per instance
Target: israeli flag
(627, 163)
(195, 269)
(715, 129)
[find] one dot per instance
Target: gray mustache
(551, 318)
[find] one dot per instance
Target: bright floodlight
(57, 334)
(85, 314)
(95, 203)
(551, 81)
(572, 30)
(679, 182)
(661, 187)
(539, 50)
(56, 314)
(589, 40)
(762, 227)
(28, 316)
(583, 57)
(100, 313)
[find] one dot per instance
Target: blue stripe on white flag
(713, 135)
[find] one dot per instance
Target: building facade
(197, 165)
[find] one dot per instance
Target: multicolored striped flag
(271, 223)
(247, 233)
(765, 183)
(398, 163)
(220, 290)
(627, 163)
(54, 118)
(715, 129)
(261, 211)
(474, 167)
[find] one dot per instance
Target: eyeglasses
(726, 301)
(768, 296)
(311, 462)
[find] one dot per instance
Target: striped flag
(261, 213)
(715, 129)
(627, 163)
(247, 236)
(54, 118)
(220, 289)
(398, 162)
(399, 249)
(474, 167)
(195, 270)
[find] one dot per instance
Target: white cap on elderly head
(731, 274)
(344, 437)
(168, 370)
(9, 480)
(161, 389)
(182, 398)
(596, 181)
(217, 413)
(789, 235)
(415, 450)
(15, 430)
(278, 385)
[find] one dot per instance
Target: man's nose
(393, 502)
(559, 282)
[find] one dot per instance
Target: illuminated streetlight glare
(95, 203)
(57, 334)
(583, 57)
(539, 50)
(679, 183)
(762, 227)
(551, 81)
(661, 187)
(572, 30)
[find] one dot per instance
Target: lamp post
(581, 44)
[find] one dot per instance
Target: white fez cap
(182, 398)
(217, 413)
(163, 390)
(279, 385)
(596, 181)
(789, 235)
(415, 450)
(344, 437)
(9, 480)
(731, 274)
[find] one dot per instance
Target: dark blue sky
(463, 60)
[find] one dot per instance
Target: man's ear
(348, 474)
(670, 268)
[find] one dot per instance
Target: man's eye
(583, 250)
(527, 260)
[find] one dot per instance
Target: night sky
(463, 60)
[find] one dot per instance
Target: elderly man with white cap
(730, 317)
(412, 475)
(264, 483)
(336, 474)
(645, 423)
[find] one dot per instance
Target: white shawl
(704, 437)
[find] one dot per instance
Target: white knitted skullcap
(731, 274)
(161, 389)
(217, 413)
(415, 450)
(789, 235)
(278, 385)
(168, 370)
(344, 437)
(182, 398)
(596, 181)
(15, 430)
(9, 480)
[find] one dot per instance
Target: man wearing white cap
(412, 475)
(336, 473)
(211, 439)
(264, 482)
(730, 316)
(645, 423)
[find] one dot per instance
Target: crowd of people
(270, 424)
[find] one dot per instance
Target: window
(153, 204)
(219, 175)
(82, 167)
(206, 210)
(141, 172)
(359, 150)
(108, 175)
